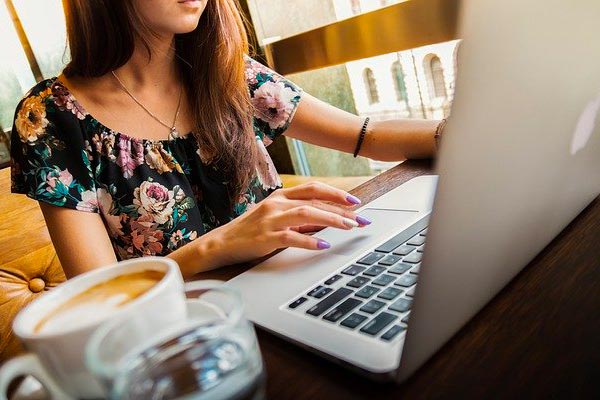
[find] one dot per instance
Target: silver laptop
(520, 159)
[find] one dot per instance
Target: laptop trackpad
(383, 223)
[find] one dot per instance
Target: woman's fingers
(308, 215)
(320, 191)
(289, 238)
(344, 212)
(279, 204)
(308, 228)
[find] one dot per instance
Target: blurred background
(385, 59)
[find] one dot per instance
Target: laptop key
(374, 270)
(297, 302)
(353, 270)
(392, 332)
(423, 232)
(389, 293)
(320, 292)
(315, 290)
(406, 280)
(390, 260)
(353, 320)
(403, 236)
(372, 306)
(384, 280)
(371, 258)
(411, 292)
(367, 292)
(399, 268)
(329, 302)
(413, 258)
(376, 325)
(405, 319)
(404, 250)
(342, 309)
(416, 241)
(333, 279)
(358, 282)
(416, 269)
(401, 305)
(391, 244)
(421, 249)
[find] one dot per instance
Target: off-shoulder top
(154, 196)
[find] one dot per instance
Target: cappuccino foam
(99, 301)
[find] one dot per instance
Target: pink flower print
(104, 143)
(61, 178)
(65, 177)
(65, 101)
(274, 103)
(127, 159)
(176, 239)
(145, 236)
(89, 201)
(266, 140)
(254, 68)
(267, 174)
(251, 76)
(155, 200)
(137, 151)
(107, 208)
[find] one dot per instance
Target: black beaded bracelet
(361, 136)
(439, 130)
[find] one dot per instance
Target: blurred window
(398, 78)
(44, 24)
(371, 86)
(435, 77)
(15, 74)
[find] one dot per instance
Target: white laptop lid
(520, 158)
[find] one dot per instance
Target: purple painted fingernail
(353, 199)
(322, 245)
(362, 220)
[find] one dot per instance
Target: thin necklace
(173, 133)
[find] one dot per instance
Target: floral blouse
(154, 196)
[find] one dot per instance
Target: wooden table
(539, 338)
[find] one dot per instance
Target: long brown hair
(102, 35)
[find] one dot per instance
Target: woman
(152, 141)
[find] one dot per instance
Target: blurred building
(416, 83)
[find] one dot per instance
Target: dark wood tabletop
(539, 338)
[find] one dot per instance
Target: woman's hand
(280, 220)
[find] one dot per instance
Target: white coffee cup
(56, 359)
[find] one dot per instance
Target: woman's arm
(324, 125)
(82, 242)
(80, 239)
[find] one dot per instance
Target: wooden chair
(28, 263)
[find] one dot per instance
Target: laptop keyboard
(372, 295)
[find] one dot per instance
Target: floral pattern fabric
(154, 196)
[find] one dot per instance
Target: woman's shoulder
(274, 99)
(54, 96)
(258, 74)
(39, 88)
(45, 105)
(51, 160)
